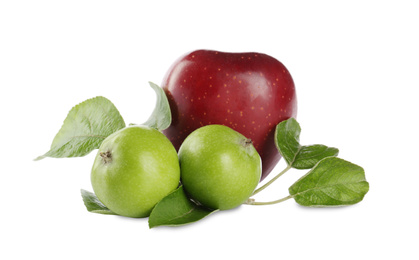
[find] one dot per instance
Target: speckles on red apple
(261, 86)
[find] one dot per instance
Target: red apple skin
(249, 92)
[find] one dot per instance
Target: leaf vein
(326, 186)
(182, 215)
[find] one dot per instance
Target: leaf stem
(271, 181)
(252, 202)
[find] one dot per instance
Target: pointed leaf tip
(177, 209)
(161, 117)
(93, 204)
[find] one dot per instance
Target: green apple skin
(134, 169)
(219, 167)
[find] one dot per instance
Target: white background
(355, 66)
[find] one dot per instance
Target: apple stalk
(252, 201)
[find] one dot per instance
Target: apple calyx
(106, 157)
(246, 142)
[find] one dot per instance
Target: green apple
(219, 167)
(134, 169)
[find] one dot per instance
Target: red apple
(249, 92)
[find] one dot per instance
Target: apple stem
(271, 181)
(253, 202)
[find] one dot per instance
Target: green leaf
(177, 209)
(86, 126)
(161, 116)
(332, 182)
(309, 155)
(93, 204)
(287, 140)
